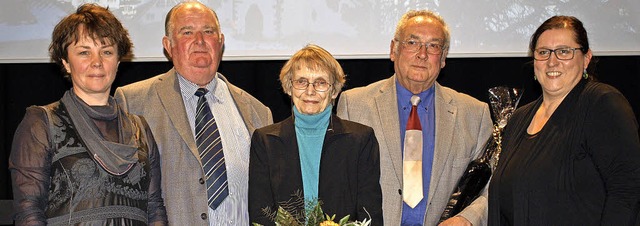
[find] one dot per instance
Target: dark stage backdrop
(22, 85)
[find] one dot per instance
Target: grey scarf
(115, 158)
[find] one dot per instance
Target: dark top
(56, 181)
(581, 168)
(349, 171)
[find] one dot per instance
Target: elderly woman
(314, 153)
(82, 160)
(571, 157)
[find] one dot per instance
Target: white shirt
(235, 143)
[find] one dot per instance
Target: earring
(585, 75)
(534, 78)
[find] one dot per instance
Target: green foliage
(285, 218)
(314, 215)
(287, 215)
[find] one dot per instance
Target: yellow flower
(329, 223)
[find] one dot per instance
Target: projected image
(28, 23)
(517, 20)
(274, 29)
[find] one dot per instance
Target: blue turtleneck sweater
(310, 131)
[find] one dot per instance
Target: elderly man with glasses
(427, 133)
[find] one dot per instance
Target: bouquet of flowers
(503, 101)
(312, 215)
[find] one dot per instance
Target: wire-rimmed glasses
(413, 46)
(318, 85)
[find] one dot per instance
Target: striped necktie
(412, 160)
(210, 148)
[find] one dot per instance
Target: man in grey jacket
(454, 127)
(194, 43)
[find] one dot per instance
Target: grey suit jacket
(463, 125)
(159, 100)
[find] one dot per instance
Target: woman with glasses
(572, 157)
(314, 155)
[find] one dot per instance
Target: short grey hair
(425, 13)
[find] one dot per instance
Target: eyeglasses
(561, 53)
(415, 46)
(319, 85)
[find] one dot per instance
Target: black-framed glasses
(561, 53)
(413, 46)
(319, 85)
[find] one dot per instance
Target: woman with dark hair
(83, 160)
(313, 153)
(572, 157)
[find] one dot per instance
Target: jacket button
(203, 216)
(201, 181)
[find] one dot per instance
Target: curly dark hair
(95, 21)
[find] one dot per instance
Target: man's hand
(456, 221)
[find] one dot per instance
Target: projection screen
(362, 29)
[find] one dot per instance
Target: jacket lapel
(446, 113)
(283, 145)
(171, 101)
(247, 112)
(387, 107)
(334, 131)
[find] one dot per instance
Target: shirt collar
(404, 96)
(189, 88)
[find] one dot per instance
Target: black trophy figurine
(503, 102)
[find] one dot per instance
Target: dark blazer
(349, 171)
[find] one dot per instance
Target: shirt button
(203, 216)
(201, 181)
